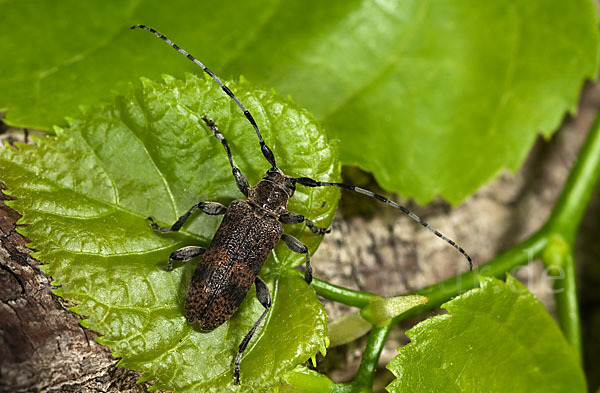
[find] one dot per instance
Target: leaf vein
(120, 208)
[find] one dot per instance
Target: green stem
(363, 381)
(510, 261)
(577, 191)
(567, 307)
(342, 295)
(564, 222)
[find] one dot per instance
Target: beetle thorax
(268, 195)
(272, 192)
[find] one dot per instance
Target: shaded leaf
(431, 97)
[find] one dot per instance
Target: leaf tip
(324, 345)
(313, 360)
(86, 324)
(146, 82)
(168, 79)
(59, 130)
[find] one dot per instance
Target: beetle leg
(295, 218)
(297, 246)
(240, 180)
(210, 208)
(264, 297)
(184, 254)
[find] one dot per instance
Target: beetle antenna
(306, 181)
(263, 146)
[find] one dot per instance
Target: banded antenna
(263, 146)
(307, 181)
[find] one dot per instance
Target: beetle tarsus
(156, 227)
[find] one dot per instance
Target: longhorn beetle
(231, 262)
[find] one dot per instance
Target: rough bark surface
(43, 348)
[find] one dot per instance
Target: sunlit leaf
(85, 195)
(498, 338)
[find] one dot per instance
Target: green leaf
(85, 195)
(433, 97)
(302, 379)
(498, 338)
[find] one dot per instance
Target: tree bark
(43, 348)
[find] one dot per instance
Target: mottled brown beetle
(249, 231)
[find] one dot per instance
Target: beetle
(248, 232)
